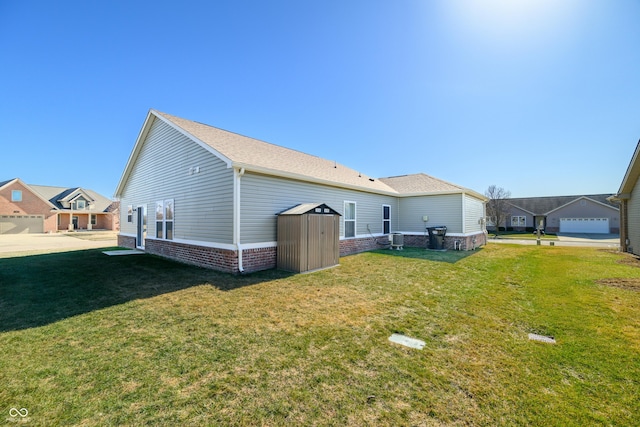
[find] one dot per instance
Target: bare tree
(497, 206)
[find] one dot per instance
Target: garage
(18, 224)
(584, 225)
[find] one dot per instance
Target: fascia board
(632, 173)
(8, 183)
(36, 193)
(289, 175)
(134, 153)
(202, 144)
(152, 115)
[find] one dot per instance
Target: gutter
(237, 175)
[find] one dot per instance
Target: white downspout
(237, 174)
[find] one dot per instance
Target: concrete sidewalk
(611, 241)
(26, 244)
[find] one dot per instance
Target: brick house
(28, 208)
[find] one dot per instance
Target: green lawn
(91, 340)
(521, 235)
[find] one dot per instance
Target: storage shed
(308, 238)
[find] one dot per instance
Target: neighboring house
(210, 197)
(564, 214)
(43, 209)
(628, 197)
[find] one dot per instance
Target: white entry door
(584, 225)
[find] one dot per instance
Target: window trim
(386, 221)
(130, 213)
(521, 221)
(164, 225)
(353, 220)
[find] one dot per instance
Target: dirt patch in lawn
(632, 284)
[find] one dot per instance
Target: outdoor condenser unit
(397, 240)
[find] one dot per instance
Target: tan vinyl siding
(263, 197)
(474, 210)
(203, 200)
(442, 210)
(633, 214)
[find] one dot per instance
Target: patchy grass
(87, 339)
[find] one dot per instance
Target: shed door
(19, 224)
(322, 241)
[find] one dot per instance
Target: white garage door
(17, 224)
(584, 225)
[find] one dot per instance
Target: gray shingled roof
(253, 153)
(544, 205)
(420, 183)
(53, 194)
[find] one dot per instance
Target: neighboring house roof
(631, 175)
(262, 157)
(55, 195)
(546, 205)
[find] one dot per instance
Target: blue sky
(541, 97)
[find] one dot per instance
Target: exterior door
(74, 220)
(141, 226)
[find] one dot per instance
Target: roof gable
(631, 175)
(546, 205)
(56, 195)
(28, 187)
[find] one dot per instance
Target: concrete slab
(23, 244)
(123, 252)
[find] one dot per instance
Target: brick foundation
(253, 260)
(126, 241)
(463, 243)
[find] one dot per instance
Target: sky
(540, 97)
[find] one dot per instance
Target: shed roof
(304, 208)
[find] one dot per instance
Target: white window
(81, 204)
(16, 195)
(130, 213)
(164, 219)
(518, 221)
(160, 220)
(349, 219)
(386, 219)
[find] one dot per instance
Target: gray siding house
(210, 197)
(628, 196)
(565, 214)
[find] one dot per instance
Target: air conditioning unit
(397, 240)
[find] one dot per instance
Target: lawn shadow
(37, 290)
(447, 256)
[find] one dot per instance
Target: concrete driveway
(611, 241)
(25, 244)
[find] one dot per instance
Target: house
(206, 196)
(628, 197)
(44, 209)
(564, 214)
